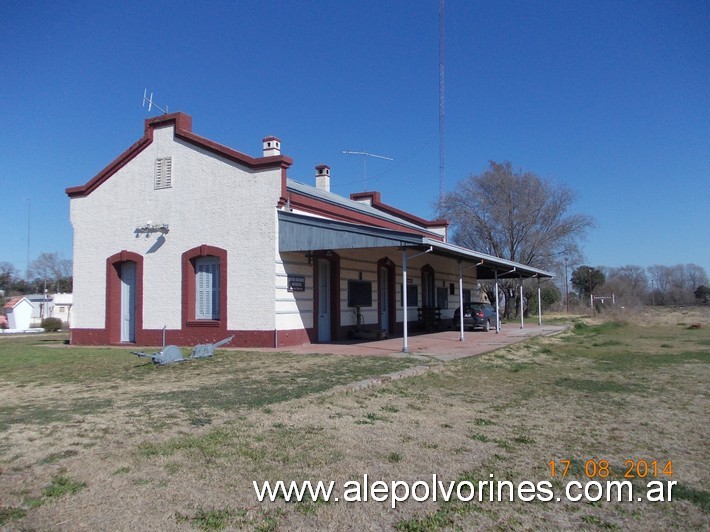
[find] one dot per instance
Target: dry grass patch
(600, 391)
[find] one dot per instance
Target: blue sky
(609, 98)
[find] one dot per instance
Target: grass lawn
(98, 439)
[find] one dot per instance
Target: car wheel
(487, 326)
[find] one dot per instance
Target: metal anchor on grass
(172, 353)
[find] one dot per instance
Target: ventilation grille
(164, 172)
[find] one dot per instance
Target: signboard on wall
(296, 283)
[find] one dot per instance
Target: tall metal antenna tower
(29, 211)
(442, 112)
(365, 155)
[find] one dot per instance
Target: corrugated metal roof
(299, 232)
(502, 266)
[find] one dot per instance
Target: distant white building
(44, 306)
(19, 313)
(41, 307)
(61, 307)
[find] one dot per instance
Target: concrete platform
(444, 345)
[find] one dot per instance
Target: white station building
(184, 237)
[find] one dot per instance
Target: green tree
(549, 293)
(585, 279)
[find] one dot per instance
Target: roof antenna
(365, 155)
(149, 99)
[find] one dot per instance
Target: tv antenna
(149, 99)
(365, 155)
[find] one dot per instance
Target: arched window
(204, 287)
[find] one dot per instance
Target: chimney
(323, 177)
(272, 146)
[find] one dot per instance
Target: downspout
(405, 347)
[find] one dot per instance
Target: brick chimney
(272, 146)
(323, 177)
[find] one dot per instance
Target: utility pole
(566, 288)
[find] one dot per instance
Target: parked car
(475, 316)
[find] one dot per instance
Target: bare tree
(8, 276)
(628, 283)
(50, 267)
(516, 216)
(633, 276)
(676, 284)
(660, 282)
(696, 276)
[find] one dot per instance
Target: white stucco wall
(212, 201)
(354, 262)
(294, 310)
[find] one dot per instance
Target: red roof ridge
(183, 129)
(13, 301)
(376, 202)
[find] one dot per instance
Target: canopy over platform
(303, 233)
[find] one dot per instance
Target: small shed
(19, 313)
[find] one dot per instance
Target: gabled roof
(14, 301)
(390, 215)
(183, 131)
(374, 199)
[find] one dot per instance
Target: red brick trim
(376, 202)
(391, 293)
(334, 260)
(113, 295)
(336, 212)
(193, 336)
(188, 287)
(183, 130)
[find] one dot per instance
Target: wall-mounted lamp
(309, 256)
(150, 227)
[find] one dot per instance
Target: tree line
(680, 284)
(519, 216)
(48, 270)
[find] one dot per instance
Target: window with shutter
(163, 172)
(207, 288)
